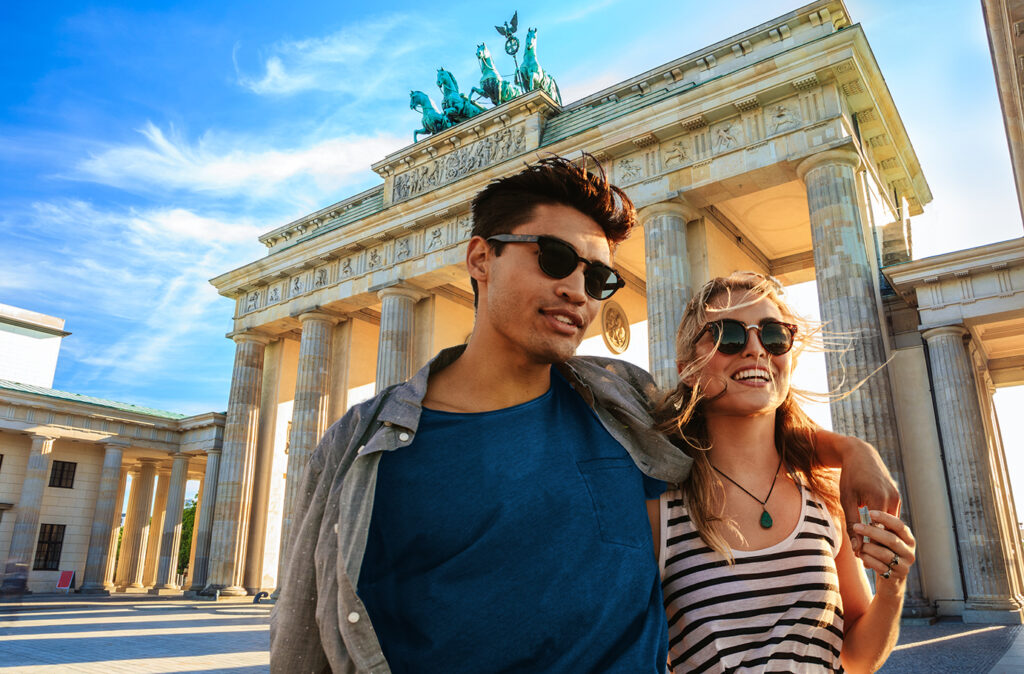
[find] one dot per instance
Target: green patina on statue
(457, 107)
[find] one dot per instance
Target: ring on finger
(887, 573)
(895, 560)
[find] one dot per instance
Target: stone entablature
(345, 211)
(956, 287)
(26, 413)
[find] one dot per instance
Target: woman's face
(755, 381)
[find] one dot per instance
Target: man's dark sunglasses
(730, 335)
(558, 259)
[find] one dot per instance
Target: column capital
(212, 450)
(676, 204)
(842, 156)
(943, 330)
(148, 460)
(42, 437)
(318, 315)
(402, 291)
(243, 336)
(116, 443)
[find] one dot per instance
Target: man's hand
(864, 480)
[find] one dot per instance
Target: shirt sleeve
(653, 488)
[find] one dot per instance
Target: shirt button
(353, 617)
(404, 437)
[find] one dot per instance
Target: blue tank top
(514, 541)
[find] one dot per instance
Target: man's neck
(481, 381)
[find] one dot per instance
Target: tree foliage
(188, 518)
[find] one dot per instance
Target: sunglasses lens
(556, 259)
(730, 336)
(601, 281)
(776, 338)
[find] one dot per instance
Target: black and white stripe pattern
(776, 610)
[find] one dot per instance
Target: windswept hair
(681, 413)
(509, 202)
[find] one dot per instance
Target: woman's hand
(890, 552)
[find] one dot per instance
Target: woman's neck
(743, 445)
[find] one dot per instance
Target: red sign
(64, 582)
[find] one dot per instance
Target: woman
(757, 575)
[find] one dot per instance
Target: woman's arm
(864, 479)
(872, 625)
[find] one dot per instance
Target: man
(489, 514)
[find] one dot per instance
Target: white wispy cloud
(242, 166)
(356, 60)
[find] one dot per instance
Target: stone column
(191, 573)
(167, 567)
(126, 533)
(133, 543)
(26, 526)
(983, 551)
(394, 350)
(94, 578)
(846, 297)
(668, 283)
(115, 529)
(156, 526)
(309, 415)
(234, 488)
(202, 533)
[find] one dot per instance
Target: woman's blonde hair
(680, 414)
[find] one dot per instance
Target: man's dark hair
(509, 202)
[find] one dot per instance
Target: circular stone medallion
(615, 327)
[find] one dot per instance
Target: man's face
(525, 312)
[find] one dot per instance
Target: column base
(165, 590)
(993, 617)
(95, 589)
(915, 611)
(132, 589)
(233, 591)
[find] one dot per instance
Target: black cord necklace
(766, 519)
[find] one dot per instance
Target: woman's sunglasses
(730, 335)
(558, 259)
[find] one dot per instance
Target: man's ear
(478, 257)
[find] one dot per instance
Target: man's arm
(863, 480)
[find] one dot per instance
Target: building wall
(28, 356)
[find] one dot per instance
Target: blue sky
(145, 146)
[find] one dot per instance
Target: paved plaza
(128, 633)
(133, 633)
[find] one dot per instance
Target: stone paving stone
(951, 646)
(134, 635)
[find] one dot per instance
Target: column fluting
(133, 543)
(156, 526)
(309, 414)
(668, 284)
(846, 297)
(120, 577)
(202, 532)
(96, 562)
(983, 550)
(394, 350)
(26, 526)
(166, 573)
(234, 488)
(115, 529)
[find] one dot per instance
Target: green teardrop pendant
(766, 520)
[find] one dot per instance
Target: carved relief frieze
(403, 248)
(252, 301)
(321, 277)
(629, 170)
(780, 117)
(297, 285)
(435, 238)
(376, 258)
(274, 294)
(678, 152)
(459, 163)
(349, 267)
(726, 136)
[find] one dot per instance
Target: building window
(63, 474)
(51, 540)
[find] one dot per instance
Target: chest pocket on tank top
(616, 490)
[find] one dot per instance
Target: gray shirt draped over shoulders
(318, 623)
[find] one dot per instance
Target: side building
(67, 462)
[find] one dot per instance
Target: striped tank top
(777, 609)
